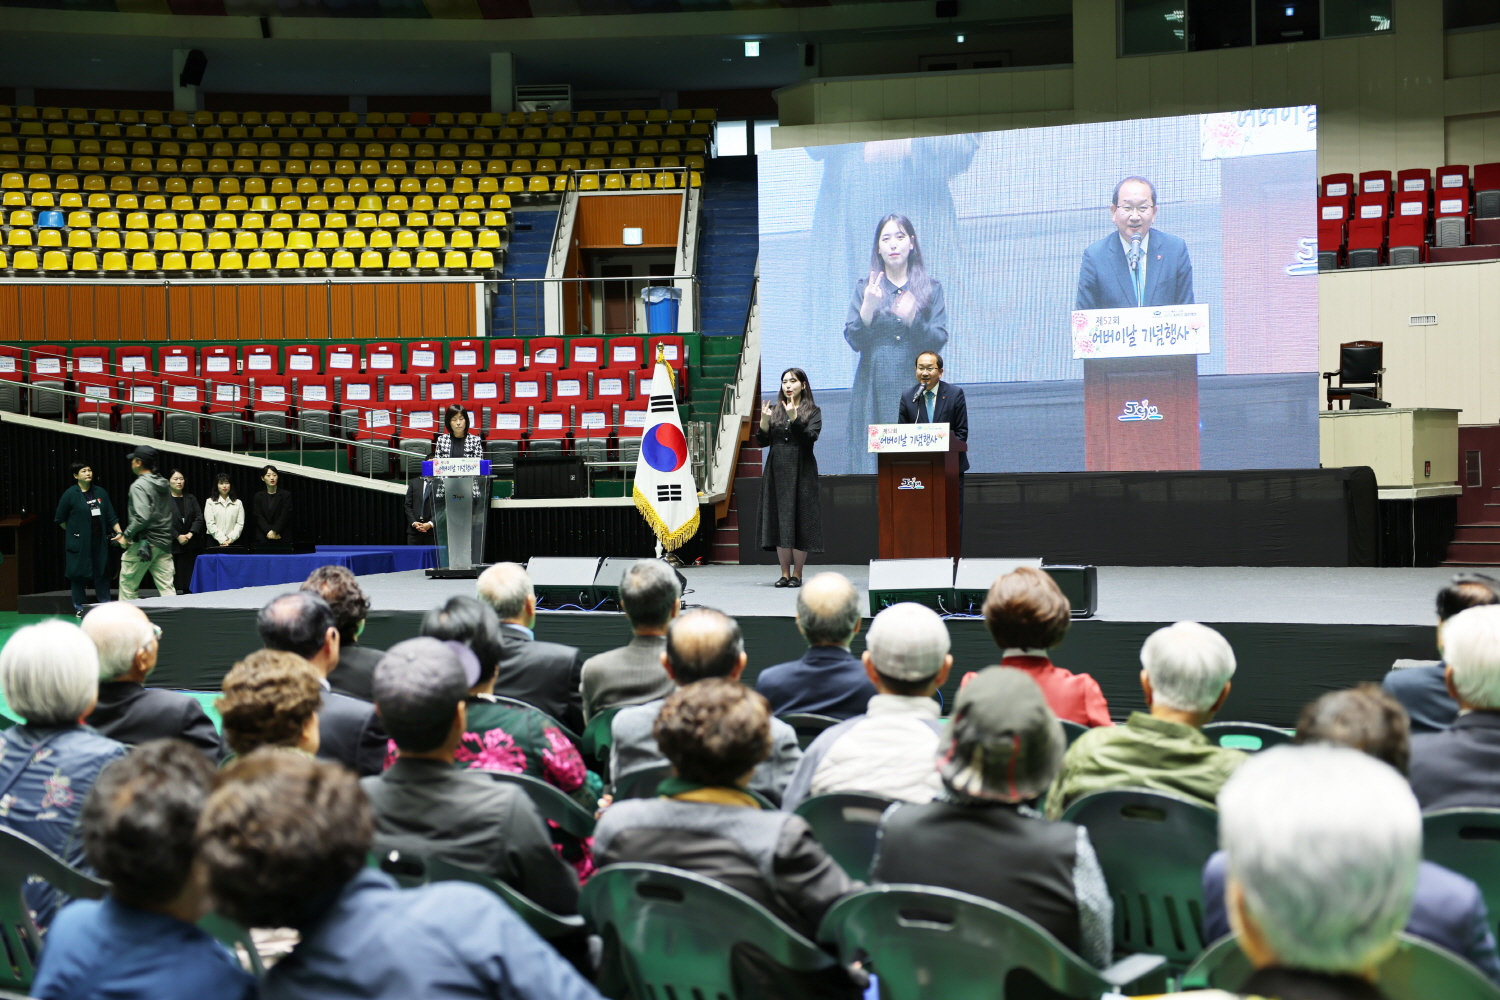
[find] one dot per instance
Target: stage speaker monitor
(1080, 585)
(612, 571)
(192, 69)
(563, 580)
(972, 581)
(921, 581)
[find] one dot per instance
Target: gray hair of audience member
(419, 684)
(1324, 842)
(828, 610)
(1471, 648)
(1363, 717)
(296, 623)
(647, 592)
(119, 630)
(505, 587)
(472, 622)
(50, 673)
(703, 643)
(1003, 743)
(908, 642)
(1188, 665)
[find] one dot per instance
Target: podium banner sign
(1143, 332)
(890, 438)
(444, 468)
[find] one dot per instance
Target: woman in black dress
(271, 510)
(88, 520)
(897, 313)
(791, 515)
(188, 529)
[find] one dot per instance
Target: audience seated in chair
(424, 805)
(1422, 688)
(702, 644)
(1186, 675)
(1027, 616)
(285, 840)
(348, 730)
(50, 676)
(1459, 767)
(1323, 845)
(271, 699)
(889, 750)
(504, 736)
(544, 674)
(1002, 749)
(828, 679)
(355, 673)
(141, 942)
(707, 821)
(651, 597)
(1447, 909)
(127, 710)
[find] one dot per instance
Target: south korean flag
(665, 493)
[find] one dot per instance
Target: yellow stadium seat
(407, 238)
(613, 182)
(203, 261)
(108, 239)
(427, 260)
(80, 239)
(434, 239)
(258, 261)
(640, 181)
(288, 259)
(173, 262)
(380, 238)
(665, 180)
(18, 238)
(619, 163)
(461, 239)
(695, 179)
(500, 201)
(343, 260)
(272, 239)
(298, 239)
(648, 146)
(49, 238)
(190, 242)
(164, 241)
(314, 259)
(144, 260)
(246, 241)
(645, 163)
(54, 260)
(114, 262)
(488, 239)
(398, 259)
(85, 260)
(354, 239)
(219, 241)
(371, 259)
(231, 260)
(538, 183)
(514, 185)
(328, 240)
(456, 259)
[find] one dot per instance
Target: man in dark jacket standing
(88, 520)
(147, 538)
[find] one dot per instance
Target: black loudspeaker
(612, 571)
(927, 582)
(563, 581)
(947, 8)
(550, 477)
(192, 69)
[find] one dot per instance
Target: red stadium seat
(613, 385)
(90, 361)
(1487, 191)
(1336, 186)
(178, 360)
(377, 426)
(48, 366)
(629, 352)
(1376, 182)
(229, 397)
(1451, 177)
(592, 428)
(1333, 220)
(443, 390)
(315, 406)
(549, 428)
(1413, 181)
(424, 357)
(570, 385)
(304, 358)
(527, 387)
(508, 424)
(1367, 229)
(544, 353)
(466, 356)
(586, 352)
(219, 360)
(507, 354)
(262, 359)
(343, 359)
(629, 428)
(400, 389)
(139, 413)
(357, 393)
(12, 376)
(132, 360)
(383, 359)
(96, 407)
(1407, 241)
(674, 350)
(1451, 216)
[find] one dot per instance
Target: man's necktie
(924, 415)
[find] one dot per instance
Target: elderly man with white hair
(889, 750)
(1185, 675)
(545, 675)
(1324, 844)
(128, 711)
(1459, 767)
(50, 676)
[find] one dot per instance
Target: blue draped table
(405, 556)
(231, 571)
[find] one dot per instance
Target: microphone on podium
(1134, 254)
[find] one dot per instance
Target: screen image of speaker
(564, 580)
(928, 582)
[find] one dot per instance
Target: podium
(461, 518)
(919, 490)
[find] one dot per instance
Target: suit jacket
(188, 518)
(134, 714)
(1104, 280)
(630, 675)
(545, 675)
(355, 674)
(828, 680)
(1424, 694)
(469, 819)
(1458, 768)
(633, 748)
(350, 732)
(951, 408)
(420, 505)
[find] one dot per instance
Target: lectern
(920, 490)
(461, 517)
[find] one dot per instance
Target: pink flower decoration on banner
(497, 751)
(562, 763)
(1084, 345)
(1080, 322)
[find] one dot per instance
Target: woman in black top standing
(271, 509)
(458, 442)
(88, 521)
(187, 531)
(791, 513)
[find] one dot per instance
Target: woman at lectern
(898, 311)
(457, 442)
(791, 518)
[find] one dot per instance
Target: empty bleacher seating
(1412, 217)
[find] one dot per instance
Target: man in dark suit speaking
(933, 401)
(1135, 265)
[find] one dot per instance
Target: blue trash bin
(661, 308)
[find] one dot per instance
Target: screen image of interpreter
(421, 507)
(933, 401)
(224, 514)
(271, 510)
(1136, 265)
(898, 311)
(88, 520)
(791, 514)
(188, 528)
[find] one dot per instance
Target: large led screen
(1121, 295)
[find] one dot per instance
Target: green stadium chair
(1468, 842)
(1152, 846)
(553, 803)
(1248, 736)
(808, 725)
(673, 933)
(234, 937)
(1072, 730)
(935, 944)
(21, 859)
(596, 739)
(412, 870)
(642, 782)
(847, 825)
(1418, 970)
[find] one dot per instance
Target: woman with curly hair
(271, 699)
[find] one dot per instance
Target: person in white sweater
(224, 514)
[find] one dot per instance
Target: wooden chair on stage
(1360, 371)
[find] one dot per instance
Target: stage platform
(1297, 632)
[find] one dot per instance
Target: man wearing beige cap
(889, 750)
